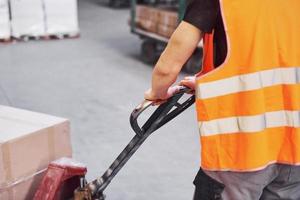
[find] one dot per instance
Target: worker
(247, 95)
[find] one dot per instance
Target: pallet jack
(59, 176)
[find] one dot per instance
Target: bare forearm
(180, 47)
(166, 70)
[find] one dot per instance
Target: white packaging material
(61, 17)
(27, 18)
(4, 20)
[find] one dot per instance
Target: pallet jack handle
(162, 115)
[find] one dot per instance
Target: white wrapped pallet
(27, 18)
(61, 17)
(4, 20)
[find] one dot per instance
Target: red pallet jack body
(65, 179)
(61, 179)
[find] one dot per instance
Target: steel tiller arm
(162, 115)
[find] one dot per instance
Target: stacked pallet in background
(38, 19)
(4, 21)
(61, 17)
(27, 18)
(29, 141)
(159, 20)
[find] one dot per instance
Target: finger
(189, 85)
(175, 89)
(159, 102)
(149, 97)
(185, 82)
(182, 82)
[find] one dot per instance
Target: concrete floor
(96, 81)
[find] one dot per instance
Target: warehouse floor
(96, 81)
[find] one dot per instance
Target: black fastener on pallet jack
(162, 115)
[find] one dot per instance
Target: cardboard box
(29, 141)
(165, 30)
(27, 18)
(168, 18)
(160, 20)
(4, 20)
(147, 18)
(143, 11)
(147, 25)
(61, 17)
(168, 22)
(24, 189)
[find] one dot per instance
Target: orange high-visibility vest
(249, 107)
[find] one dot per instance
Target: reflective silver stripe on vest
(249, 82)
(250, 124)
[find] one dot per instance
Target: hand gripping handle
(163, 114)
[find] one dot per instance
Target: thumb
(173, 90)
(188, 83)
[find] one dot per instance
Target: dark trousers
(276, 182)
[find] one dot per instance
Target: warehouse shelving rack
(153, 43)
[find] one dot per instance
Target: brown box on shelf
(147, 25)
(160, 20)
(140, 11)
(147, 18)
(168, 18)
(29, 141)
(165, 31)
